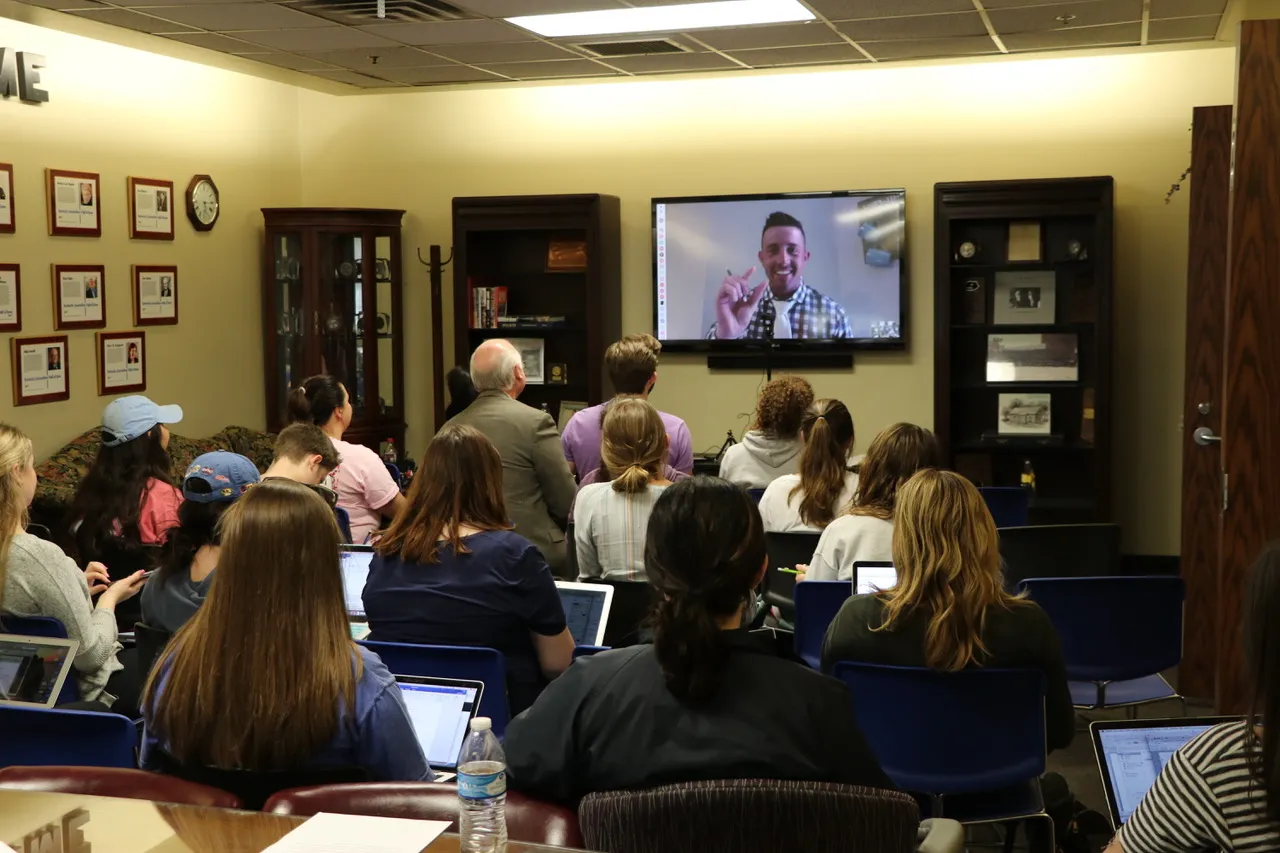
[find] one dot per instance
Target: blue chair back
(817, 603)
(1010, 506)
(950, 732)
(394, 471)
(43, 626)
(756, 494)
(344, 524)
(472, 663)
(587, 651)
(39, 737)
(1113, 628)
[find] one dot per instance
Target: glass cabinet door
(340, 312)
(289, 313)
(386, 325)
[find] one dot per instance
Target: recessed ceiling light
(1065, 19)
(652, 19)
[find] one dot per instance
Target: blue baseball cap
(129, 417)
(218, 477)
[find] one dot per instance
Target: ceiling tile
(916, 27)
(924, 48)
(513, 51)
(228, 17)
(131, 20)
(142, 4)
(852, 10)
(448, 32)
(780, 35)
(671, 62)
(1040, 18)
(822, 53)
(437, 75)
(213, 41)
(315, 38)
(387, 57)
(509, 8)
(288, 60)
(548, 70)
(351, 77)
(1177, 29)
(64, 5)
(1186, 8)
(1075, 37)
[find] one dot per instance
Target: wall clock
(202, 203)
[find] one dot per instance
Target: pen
(791, 571)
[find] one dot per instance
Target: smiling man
(782, 306)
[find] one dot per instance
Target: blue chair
(344, 524)
(587, 651)
(1010, 506)
(40, 737)
(394, 471)
(471, 663)
(1118, 634)
(756, 494)
(970, 743)
(43, 626)
(817, 603)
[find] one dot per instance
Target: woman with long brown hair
(810, 500)
(265, 675)
(450, 571)
(865, 531)
(949, 610)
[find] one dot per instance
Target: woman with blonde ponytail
(610, 519)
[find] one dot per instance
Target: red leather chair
(116, 782)
(528, 820)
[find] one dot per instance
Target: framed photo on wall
(150, 209)
(40, 367)
(122, 362)
(75, 208)
(79, 296)
(155, 296)
(1025, 297)
(7, 221)
(10, 298)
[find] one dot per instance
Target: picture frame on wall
(1025, 298)
(10, 298)
(122, 362)
(75, 203)
(150, 209)
(79, 296)
(569, 408)
(8, 220)
(1024, 414)
(40, 370)
(155, 295)
(1051, 357)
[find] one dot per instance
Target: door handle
(1204, 436)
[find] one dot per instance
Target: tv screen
(821, 270)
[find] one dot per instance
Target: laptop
(871, 577)
(586, 610)
(355, 571)
(440, 710)
(33, 669)
(1131, 753)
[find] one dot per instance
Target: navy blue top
(493, 596)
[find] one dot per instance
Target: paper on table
(5, 848)
(340, 833)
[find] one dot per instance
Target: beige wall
(123, 112)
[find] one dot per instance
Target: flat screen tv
(805, 271)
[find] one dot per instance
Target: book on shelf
(531, 321)
(488, 305)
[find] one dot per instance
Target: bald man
(536, 481)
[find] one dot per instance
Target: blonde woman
(949, 610)
(610, 519)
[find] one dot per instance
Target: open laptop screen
(355, 571)
(586, 610)
(1130, 758)
(33, 669)
(440, 710)
(870, 578)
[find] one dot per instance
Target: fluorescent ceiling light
(651, 19)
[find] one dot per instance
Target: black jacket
(609, 723)
(1022, 636)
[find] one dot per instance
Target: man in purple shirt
(632, 364)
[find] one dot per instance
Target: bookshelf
(1023, 338)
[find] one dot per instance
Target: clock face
(968, 250)
(204, 199)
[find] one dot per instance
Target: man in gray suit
(536, 481)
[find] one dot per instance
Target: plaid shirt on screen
(813, 317)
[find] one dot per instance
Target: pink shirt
(363, 485)
(159, 512)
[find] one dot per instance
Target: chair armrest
(940, 835)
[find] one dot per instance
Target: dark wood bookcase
(505, 242)
(1059, 283)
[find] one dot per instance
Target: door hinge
(1224, 491)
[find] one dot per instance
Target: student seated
(704, 701)
(610, 518)
(807, 502)
(37, 579)
(772, 446)
(175, 592)
(461, 391)
(265, 675)
(365, 488)
(949, 610)
(865, 532)
(450, 571)
(304, 454)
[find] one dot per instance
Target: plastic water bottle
(482, 791)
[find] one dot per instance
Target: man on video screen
(782, 306)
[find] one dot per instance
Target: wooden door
(1202, 405)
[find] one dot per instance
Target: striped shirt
(1205, 798)
(609, 530)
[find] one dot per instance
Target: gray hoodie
(170, 605)
(760, 459)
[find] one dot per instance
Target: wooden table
(32, 822)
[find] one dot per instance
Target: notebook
(33, 669)
(440, 710)
(355, 571)
(1131, 753)
(586, 610)
(869, 578)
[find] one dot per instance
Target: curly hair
(782, 406)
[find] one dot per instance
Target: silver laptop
(355, 571)
(586, 610)
(33, 669)
(870, 578)
(440, 710)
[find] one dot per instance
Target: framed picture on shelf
(79, 296)
(40, 368)
(122, 362)
(533, 356)
(1024, 298)
(1024, 242)
(155, 296)
(568, 408)
(10, 298)
(566, 256)
(150, 209)
(75, 208)
(7, 222)
(1053, 357)
(1024, 414)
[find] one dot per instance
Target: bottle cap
(481, 724)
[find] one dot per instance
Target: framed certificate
(7, 222)
(150, 209)
(122, 362)
(79, 296)
(40, 368)
(10, 298)
(155, 296)
(75, 209)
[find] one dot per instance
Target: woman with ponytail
(705, 700)
(807, 502)
(610, 518)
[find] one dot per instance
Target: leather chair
(254, 787)
(528, 820)
(116, 782)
